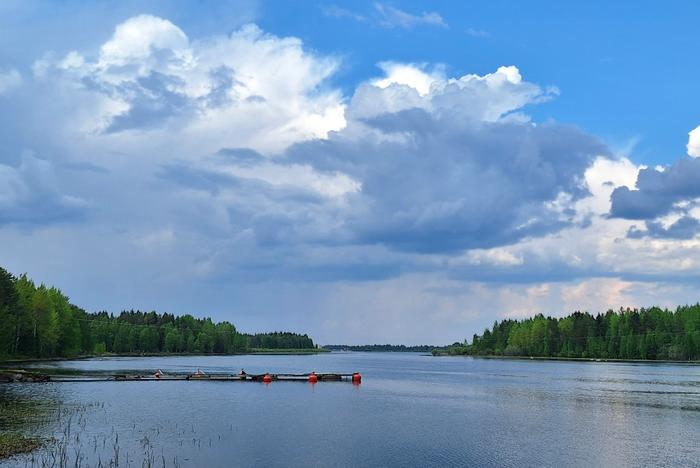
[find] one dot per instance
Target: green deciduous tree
(41, 322)
(652, 333)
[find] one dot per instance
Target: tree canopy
(652, 333)
(40, 322)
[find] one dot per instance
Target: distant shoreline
(575, 359)
(300, 351)
(371, 348)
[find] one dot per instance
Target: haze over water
(410, 410)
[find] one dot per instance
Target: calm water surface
(411, 410)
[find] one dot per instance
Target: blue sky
(625, 69)
(362, 171)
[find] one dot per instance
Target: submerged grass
(24, 417)
(15, 444)
(20, 416)
(73, 446)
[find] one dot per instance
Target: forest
(40, 322)
(279, 340)
(653, 333)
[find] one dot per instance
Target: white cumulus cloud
(151, 76)
(694, 143)
(488, 97)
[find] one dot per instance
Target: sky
(365, 172)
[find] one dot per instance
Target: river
(410, 410)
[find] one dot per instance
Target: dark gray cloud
(686, 227)
(82, 166)
(657, 192)
(222, 81)
(187, 176)
(436, 184)
(241, 156)
(153, 99)
(30, 195)
(151, 102)
(428, 184)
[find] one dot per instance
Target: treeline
(40, 322)
(380, 347)
(279, 340)
(652, 333)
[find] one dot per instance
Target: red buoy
(267, 378)
(356, 378)
(313, 378)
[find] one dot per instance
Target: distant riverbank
(383, 348)
(24, 360)
(439, 353)
(289, 351)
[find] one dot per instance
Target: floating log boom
(313, 377)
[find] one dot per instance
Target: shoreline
(571, 359)
(259, 351)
